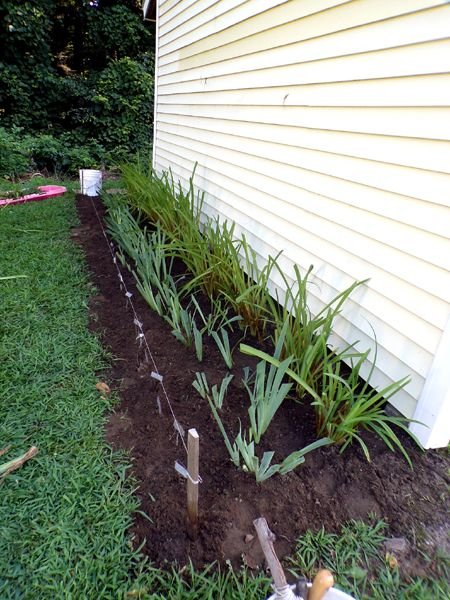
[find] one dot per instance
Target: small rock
(249, 538)
(396, 545)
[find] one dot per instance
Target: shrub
(14, 158)
(64, 67)
(115, 32)
(59, 155)
(43, 152)
(120, 116)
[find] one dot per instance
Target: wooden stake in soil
(192, 482)
(266, 539)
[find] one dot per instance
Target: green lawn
(64, 514)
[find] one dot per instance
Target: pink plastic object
(48, 191)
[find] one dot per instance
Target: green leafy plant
(346, 406)
(220, 264)
(198, 342)
(223, 343)
(120, 112)
(266, 396)
(263, 469)
(343, 406)
(306, 336)
(249, 294)
(14, 159)
(266, 393)
(216, 395)
(218, 317)
(181, 321)
(152, 266)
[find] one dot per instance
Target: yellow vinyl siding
(334, 244)
(417, 122)
(404, 30)
(292, 21)
(322, 128)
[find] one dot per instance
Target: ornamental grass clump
(220, 264)
(346, 406)
(306, 337)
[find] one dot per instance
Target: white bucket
(90, 182)
(332, 594)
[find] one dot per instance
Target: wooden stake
(192, 482)
(266, 539)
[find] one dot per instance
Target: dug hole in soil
(327, 490)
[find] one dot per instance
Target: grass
(361, 567)
(64, 514)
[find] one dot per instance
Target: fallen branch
(16, 463)
(4, 450)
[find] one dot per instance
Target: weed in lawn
(360, 566)
(211, 583)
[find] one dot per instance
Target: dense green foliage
(78, 77)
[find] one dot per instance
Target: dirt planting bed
(329, 489)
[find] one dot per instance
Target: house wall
(322, 128)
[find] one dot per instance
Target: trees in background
(76, 83)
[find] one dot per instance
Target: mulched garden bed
(329, 489)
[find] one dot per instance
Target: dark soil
(329, 489)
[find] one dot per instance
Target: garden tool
(321, 587)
